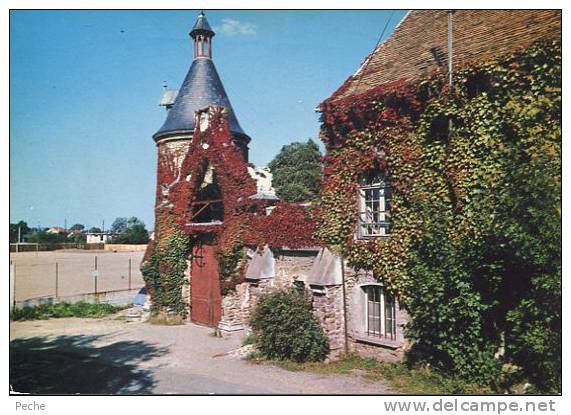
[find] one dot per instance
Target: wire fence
(36, 247)
(64, 274)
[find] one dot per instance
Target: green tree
(77, 227)
(119, 225)
(94, 229)
(78, 238)
(297, 172)
(129, 231)
(46, 237)
(24, 230)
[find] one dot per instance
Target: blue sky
(85, 85)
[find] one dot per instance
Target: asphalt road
(112, 356)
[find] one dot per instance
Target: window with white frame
(374, 205)
(380, 312)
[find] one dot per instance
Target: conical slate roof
(201, 87)
(201, 25)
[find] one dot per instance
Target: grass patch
(59, 310)
(167, 320)
(249, 339)
(397, 376)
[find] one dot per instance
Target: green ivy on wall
(164, 270)
(474, 252)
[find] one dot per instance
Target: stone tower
(202, 176)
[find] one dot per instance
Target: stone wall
(175, 150)
(327, 303)
(125, 247)
(328, 308)
(119, 298)
(237, 306)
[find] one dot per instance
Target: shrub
(286, 328)
(59, 310)
(249, 339)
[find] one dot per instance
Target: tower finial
(202, 35)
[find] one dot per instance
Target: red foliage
(180, 176)
(288, 225)
(213, 147)
(399, 104)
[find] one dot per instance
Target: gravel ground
(35, 273)
(112, 356)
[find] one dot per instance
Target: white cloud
(233, 27)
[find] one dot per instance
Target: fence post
(57, 277)
(96, 275)
(13, 275)
(129, 274)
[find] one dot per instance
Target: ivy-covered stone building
(422, 231)
(438, 149)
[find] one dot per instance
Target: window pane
(375, 193)
(390, 320)
(374, 312)
(381, 312)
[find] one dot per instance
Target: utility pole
(95, 275)
(344, 293)
(450, 49)
(450, 69)
(57, 279)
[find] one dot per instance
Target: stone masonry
(237, 306)
(296, 267)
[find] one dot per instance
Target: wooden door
(206, 299)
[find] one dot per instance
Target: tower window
(207, 206)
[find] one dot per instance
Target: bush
(249, 339)
(286, 328)
(59, 310)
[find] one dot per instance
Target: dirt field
(35, 272)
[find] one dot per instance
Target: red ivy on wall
(181, 173)
(288, 225)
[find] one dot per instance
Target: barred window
(374, 205)
(381, 312)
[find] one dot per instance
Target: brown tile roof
(418, 46)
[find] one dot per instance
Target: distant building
(98, 237)
(56, 230)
